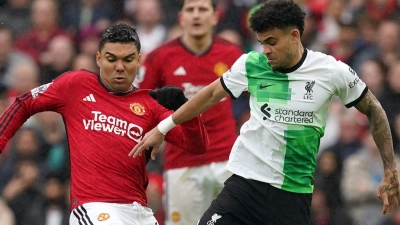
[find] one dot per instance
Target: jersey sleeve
(149, 75)
(47, 97)
(234, 80)
(347, 85)
(190, 135)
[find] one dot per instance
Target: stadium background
(40, 39)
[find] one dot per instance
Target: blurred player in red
(191, 62)
(105, 116)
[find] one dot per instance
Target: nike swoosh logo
(265, 86)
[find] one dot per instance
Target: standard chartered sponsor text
(111, 124)
(293, 116)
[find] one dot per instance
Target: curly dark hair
(279, 14)
(120, 33)
(213, 3)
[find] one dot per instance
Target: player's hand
(388, 190)
(170, 97)
(153, 139)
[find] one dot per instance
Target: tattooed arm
(380, 130)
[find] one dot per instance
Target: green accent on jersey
(265, 84)
(302, 144)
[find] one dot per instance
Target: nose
(266, 49)
(196, 13)
(119, 66)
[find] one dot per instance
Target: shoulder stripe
(9, 113)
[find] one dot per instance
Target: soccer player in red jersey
(191, 62)
(105, 116)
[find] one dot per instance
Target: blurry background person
(16, 15)
(9, 57)
(45, 27)
(362, 173)
(57, 59)
(147, 19)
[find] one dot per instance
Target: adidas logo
(180, 71)
(89, 98)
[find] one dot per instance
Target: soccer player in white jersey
(274, 158)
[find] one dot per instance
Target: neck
(297, 55)
(197, 45)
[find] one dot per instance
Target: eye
(111, 59)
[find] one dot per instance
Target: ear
(216, 17)
(180, 18)
(295, 35)
(98, 58)
(139, 58)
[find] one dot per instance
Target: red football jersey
(102, 128)
(173, 64)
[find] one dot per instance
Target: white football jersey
(289, 109)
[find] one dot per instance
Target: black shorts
(250, 202)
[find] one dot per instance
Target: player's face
(197, 18)
(118, 64)
(280, 47)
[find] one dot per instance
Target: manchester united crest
(137, 108)
(103, 216)
(220, 68)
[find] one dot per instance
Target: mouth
(196, 25)
(120, 79)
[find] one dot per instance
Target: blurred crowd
(41, 39)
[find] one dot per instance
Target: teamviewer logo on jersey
(89, 98)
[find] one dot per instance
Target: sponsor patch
(35, 92)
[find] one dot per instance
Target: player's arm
(47, 97)
(380, 129)
(200, 102)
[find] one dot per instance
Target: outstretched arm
(380, 130)
(203, 100)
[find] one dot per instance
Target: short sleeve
(234, 80)
(347, 85)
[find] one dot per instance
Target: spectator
(386, 48)
(22, 192)
(87, 40)
(16, 16)
(44, 28)
(82, 13)
(57, 59)
(147, 18)
(373, 73)
(84, 61)
(9, 58)
(362, 173)
(349, 133)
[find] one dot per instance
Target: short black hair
(213, 3)
(120, 33)
(279, 14)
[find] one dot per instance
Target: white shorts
(189, 191)
(100, 213)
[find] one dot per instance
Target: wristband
(166, 125)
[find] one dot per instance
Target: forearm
(380, 130)
(203, 100)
